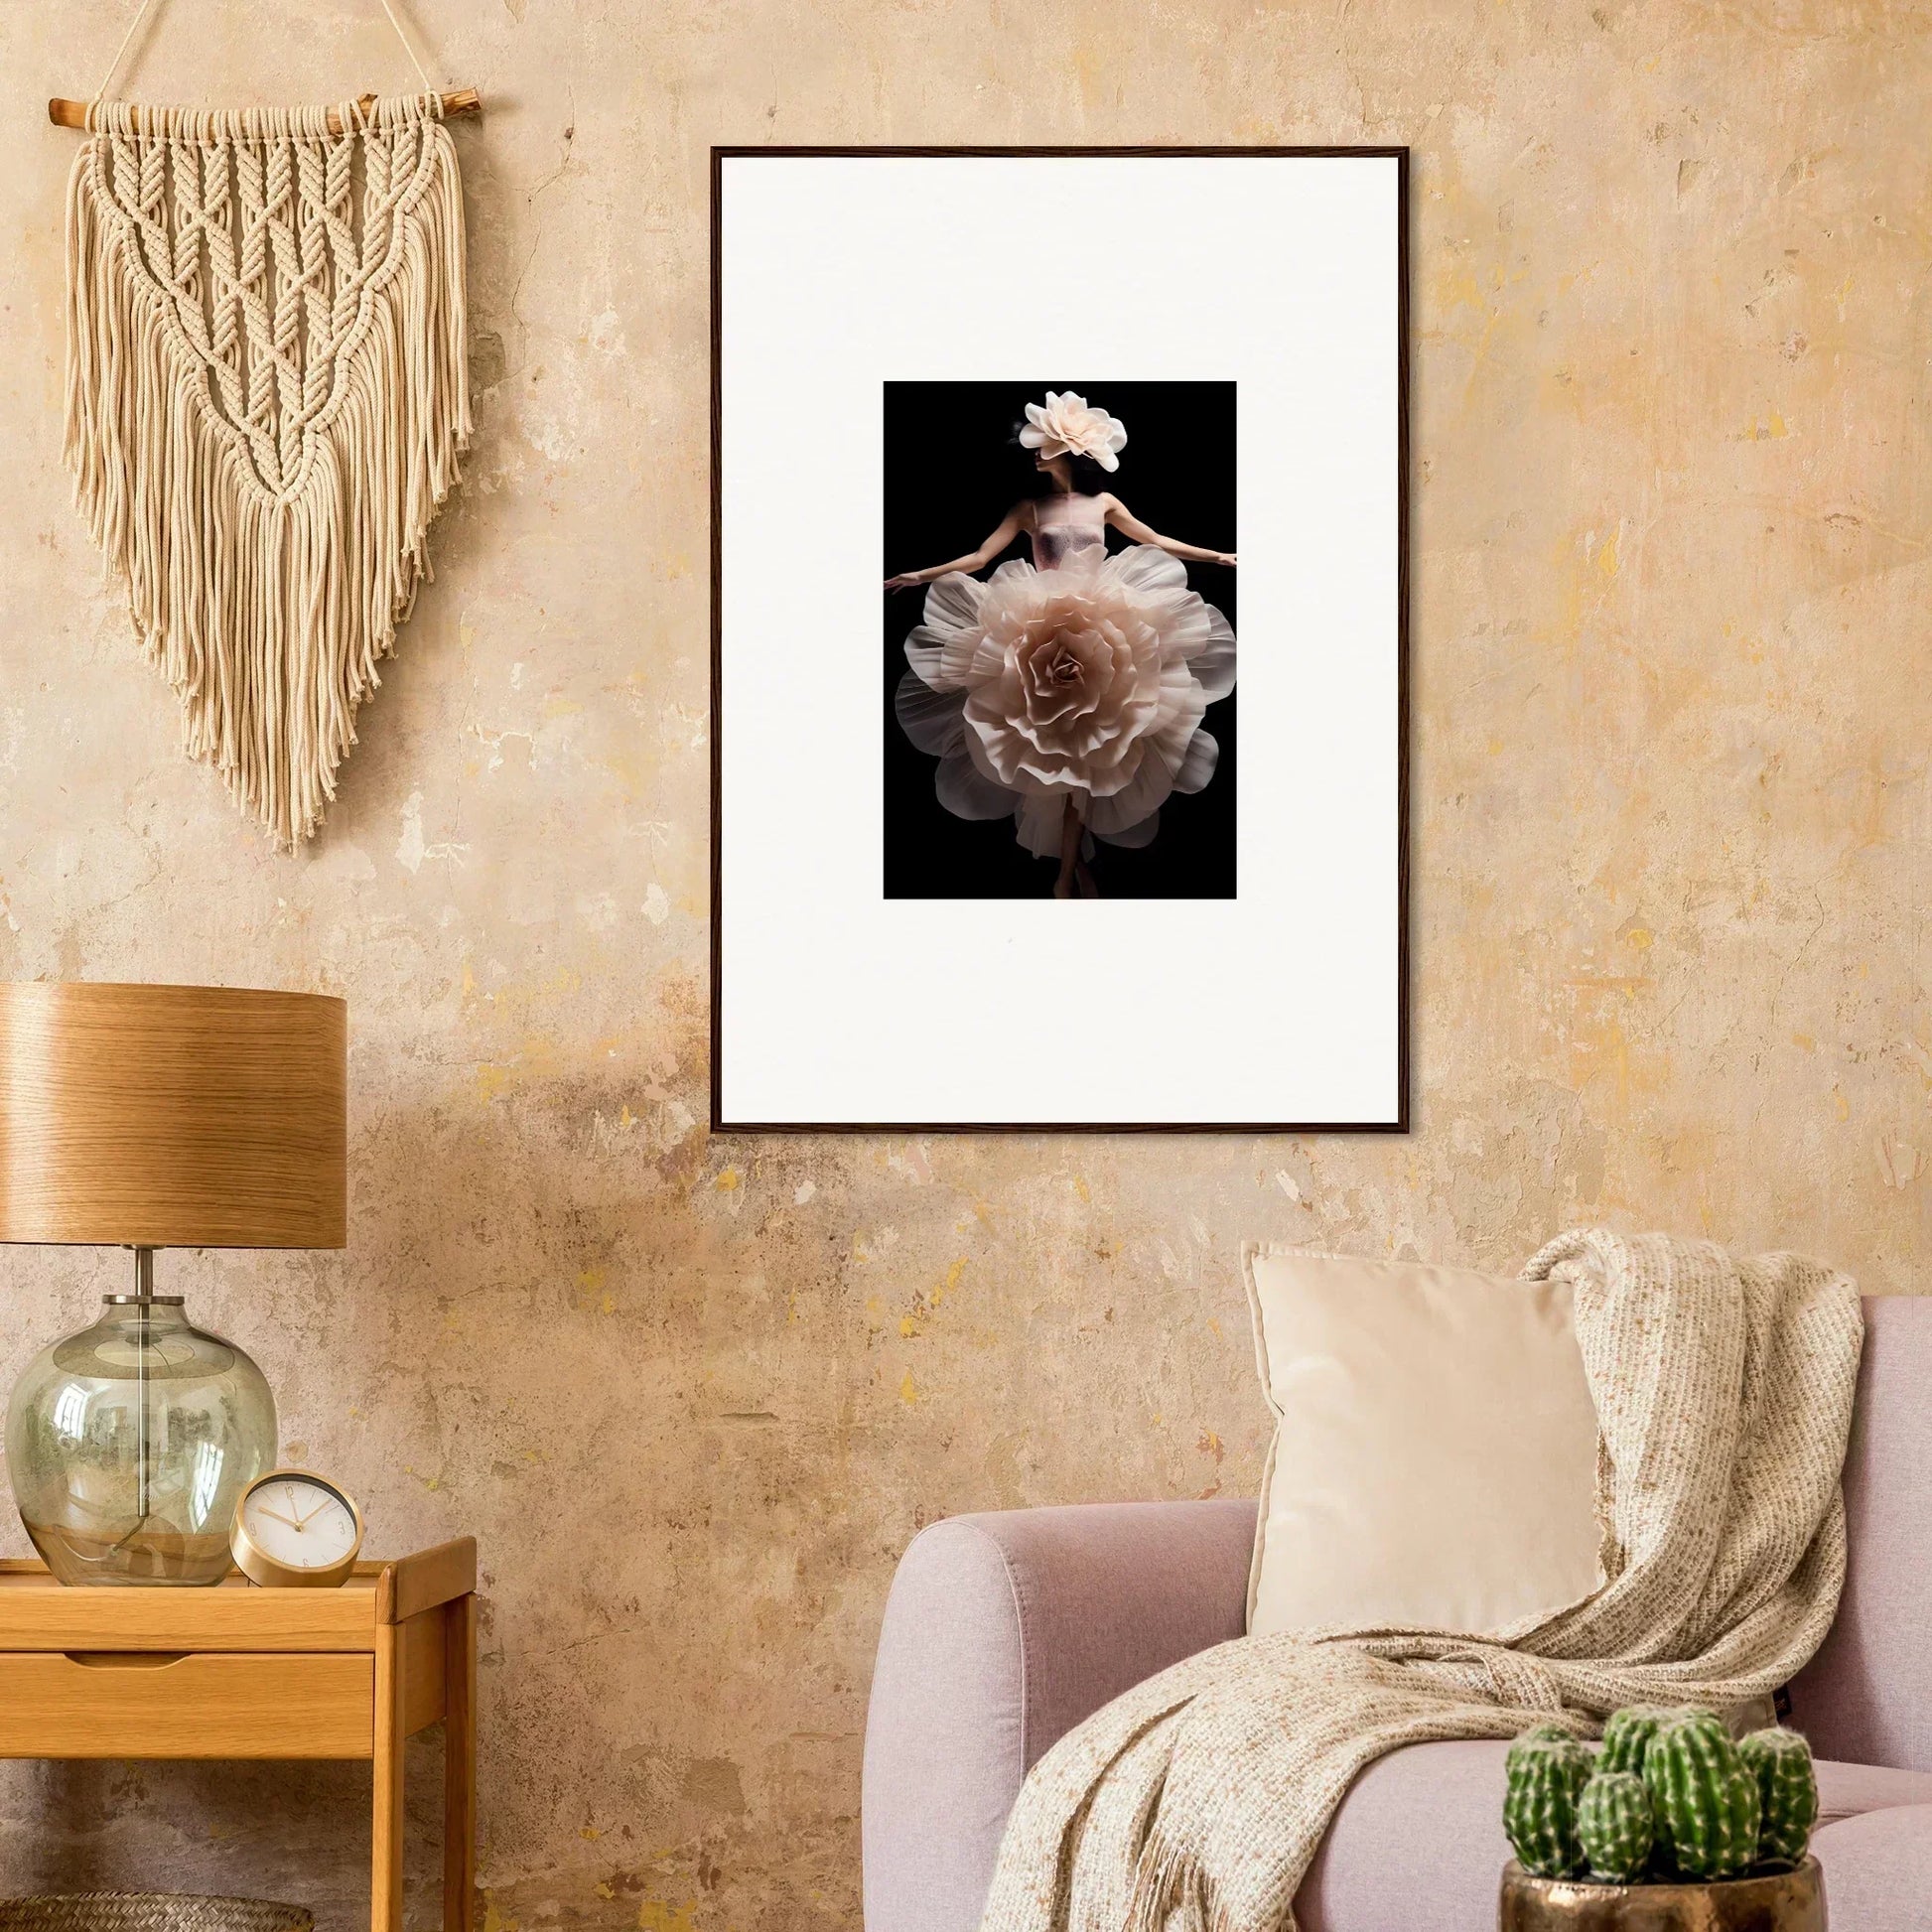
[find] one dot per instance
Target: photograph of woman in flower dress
(1079, 700)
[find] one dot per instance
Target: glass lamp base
(130, 1442)
(151, 1557)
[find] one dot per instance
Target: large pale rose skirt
(1088, 682)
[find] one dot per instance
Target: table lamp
(158, 1117)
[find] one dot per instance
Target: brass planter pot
(1777, 1901)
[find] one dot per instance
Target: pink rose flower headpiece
(1067, 426)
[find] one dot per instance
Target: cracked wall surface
(1671, 875)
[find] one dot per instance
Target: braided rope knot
(249, 223)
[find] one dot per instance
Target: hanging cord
(121, 52)
(408, 46)
(141, 13)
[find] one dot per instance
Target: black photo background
(953, 469)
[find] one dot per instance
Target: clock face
(299, 1522)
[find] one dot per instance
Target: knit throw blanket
(1196, 1802)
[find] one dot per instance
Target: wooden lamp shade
(173, 1117)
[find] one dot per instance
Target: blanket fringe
(267, 604)
(1172, 1891)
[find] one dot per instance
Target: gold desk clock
(295, 1530)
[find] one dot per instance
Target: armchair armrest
(1001, 1633)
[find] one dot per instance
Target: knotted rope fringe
(267, 394)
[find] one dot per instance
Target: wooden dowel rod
(464, 100)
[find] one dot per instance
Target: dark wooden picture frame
(1400, 1124)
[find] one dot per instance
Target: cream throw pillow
(1433, 1463)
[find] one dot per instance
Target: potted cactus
(1669, 1825)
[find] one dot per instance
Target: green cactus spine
(1705, 1800)
(1614, 1825)
(1544, 1733)
(1627, 1734)
(1546, 1777)
(1787, 1792)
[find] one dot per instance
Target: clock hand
(278, 1516)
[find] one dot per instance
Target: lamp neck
(144, 1304)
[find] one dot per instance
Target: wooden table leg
(459, 1765)
(385, 1834)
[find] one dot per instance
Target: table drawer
(205, 1703)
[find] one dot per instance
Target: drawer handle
(125, 1659)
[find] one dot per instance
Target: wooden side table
(240, 1672)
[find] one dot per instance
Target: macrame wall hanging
(267, 393)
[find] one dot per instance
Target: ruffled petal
(1147, 571)
(996, 746)
(966, 792)
(944, 648)
(927, 654)
(1203, 754)
(1146, 790)
(975, 749)
(1182, 706)
(929, 718)
(1213, 664)
(1037, 824)
(925, 657)
(1133, 837)
(952, 602)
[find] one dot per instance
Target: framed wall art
(1058, 606)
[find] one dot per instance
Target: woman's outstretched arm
(1010, 527)
(1130, 525)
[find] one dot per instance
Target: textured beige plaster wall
(1671, 499)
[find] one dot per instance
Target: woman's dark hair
(1088, 476)
(1089, 479)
